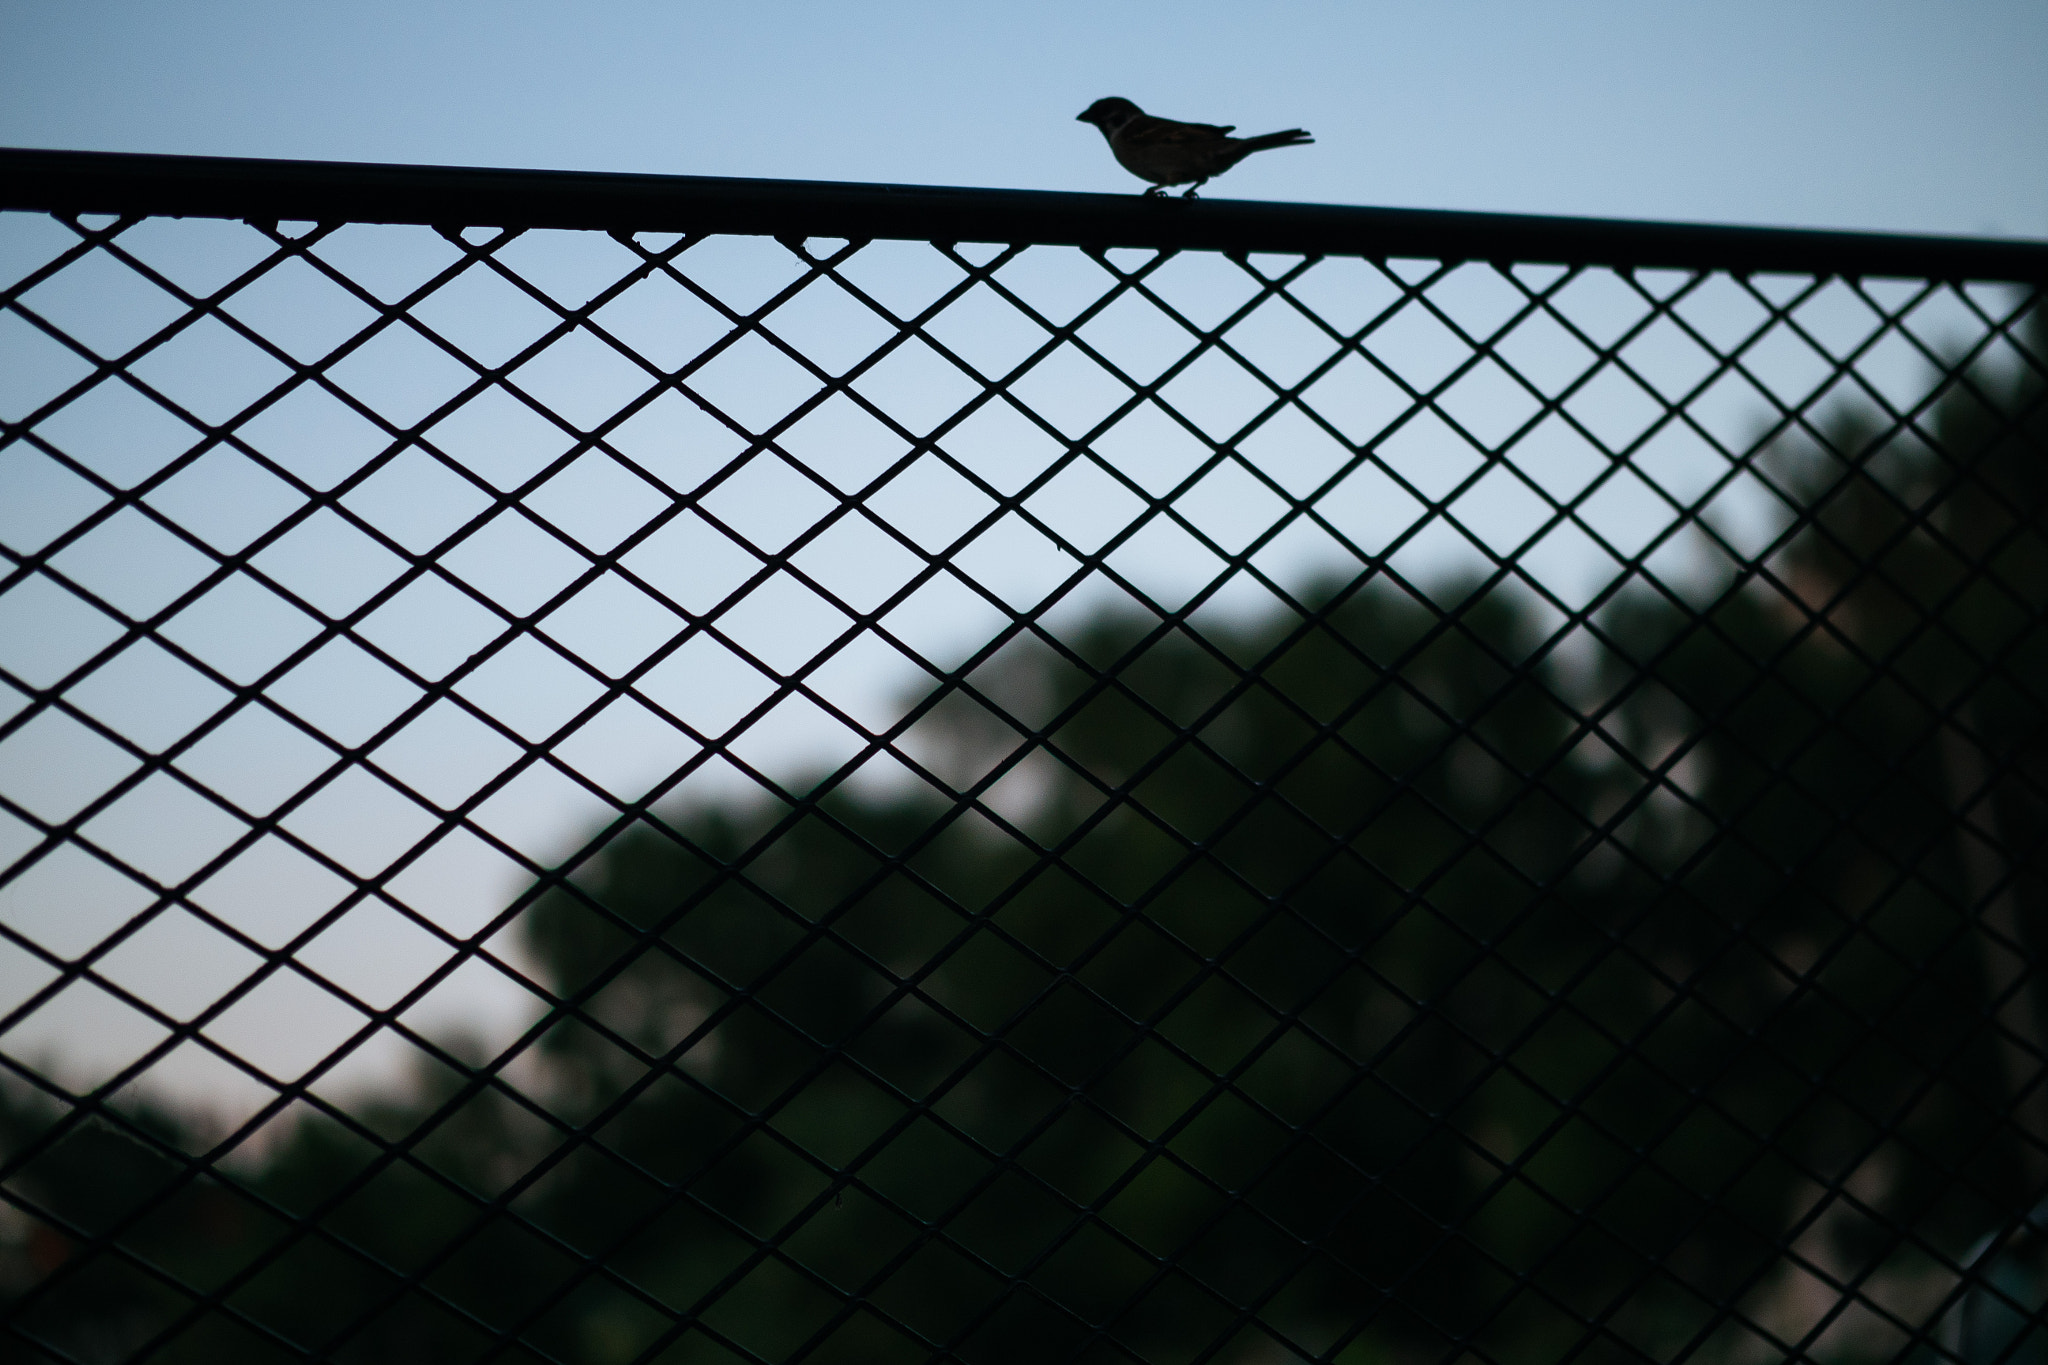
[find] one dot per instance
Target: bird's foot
(1189, 192)
(1156, 192)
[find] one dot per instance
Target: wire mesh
(614, 796)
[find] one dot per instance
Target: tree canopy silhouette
(1380, 980)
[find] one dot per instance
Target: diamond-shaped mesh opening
(580, 796)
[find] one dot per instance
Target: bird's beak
(1080, 118)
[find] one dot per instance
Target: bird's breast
(1171, 163)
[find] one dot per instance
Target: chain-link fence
(746, 772)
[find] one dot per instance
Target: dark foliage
(1370, 983)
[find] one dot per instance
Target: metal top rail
(267, 190)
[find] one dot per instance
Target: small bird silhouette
(1169, 153)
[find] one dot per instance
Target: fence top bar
(330, 191)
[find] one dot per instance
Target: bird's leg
(1189, 192)
(1155, 192)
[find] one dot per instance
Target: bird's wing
(1151, 131)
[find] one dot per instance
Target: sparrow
(1169, 153)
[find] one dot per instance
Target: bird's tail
(1293, 137)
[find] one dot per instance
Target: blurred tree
(1372, 981)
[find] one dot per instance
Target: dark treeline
(1378, 1007)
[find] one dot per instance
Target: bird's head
(1109, 114)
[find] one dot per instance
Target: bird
(1167, 152)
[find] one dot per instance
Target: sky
(1900, 115)
(1884, 116)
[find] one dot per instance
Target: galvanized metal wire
(646, 781)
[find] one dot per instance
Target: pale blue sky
(1928, 115)
(1905, 116)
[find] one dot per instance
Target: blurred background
(1911, 117)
